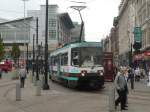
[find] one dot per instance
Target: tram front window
(75, 58)
(89, 57)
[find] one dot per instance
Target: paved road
(62, 99)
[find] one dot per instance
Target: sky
(97, 16)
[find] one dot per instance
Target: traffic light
(137, 45)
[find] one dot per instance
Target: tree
(2, 51)
(15, 53)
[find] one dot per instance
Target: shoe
(124, 109)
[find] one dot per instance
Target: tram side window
(64, 59)
(52, 60)
(75, 58)
(56, 60)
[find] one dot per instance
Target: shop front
(142, 60)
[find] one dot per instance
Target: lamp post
(24, 32)
(33, 61)
(37, 53)
(46, 86)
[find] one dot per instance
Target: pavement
(59, 101)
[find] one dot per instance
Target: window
(75, 57)
(64, 59)
(52, 23)
(52, 34)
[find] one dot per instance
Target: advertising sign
(137, 34)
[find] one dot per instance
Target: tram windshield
(90, 57)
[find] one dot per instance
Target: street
(62, 99)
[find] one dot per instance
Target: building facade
(126, 24)
(22, 31)
(75, 32)
(115, 42)
(16, 31)
(52, 24)
(143, 15)
(60, 26)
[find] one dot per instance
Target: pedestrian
(126, 75)
(148, 78)
(22, 74)
(0, 73)
(121, 86)
(137, 74)
(131, 77)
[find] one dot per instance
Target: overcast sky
(98, 16)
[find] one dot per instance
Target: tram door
(108, 66)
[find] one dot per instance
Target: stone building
(126, 24)
(114, 41)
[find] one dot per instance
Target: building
(3, 20)
(142, 9)
(126, 24)
(143, 15)
(115, 42)
(65, 26)
(60, 26)
(75, 32)
(16, 31)
(106, 44)
(52, 24)
(22, 31)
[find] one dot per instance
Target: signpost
(137, 38)
(137, 34)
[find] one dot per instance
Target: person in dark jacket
(131, 77)
(121, 87)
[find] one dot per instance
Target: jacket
(120, 82)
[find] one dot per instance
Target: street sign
(137, 34)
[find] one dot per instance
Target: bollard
(112, 99)
(18, 92)
(38, 88)
(31, 76)
(42, 81)
(34, 80)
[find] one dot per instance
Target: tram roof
(77, 44)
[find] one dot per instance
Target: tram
(78, 64)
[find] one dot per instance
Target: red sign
(147, 53)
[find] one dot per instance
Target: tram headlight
(100, 72)
(83, 72)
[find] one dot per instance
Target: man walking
(121, 84)
(22, 74)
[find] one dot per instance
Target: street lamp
(24, 36)
(46, 86)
